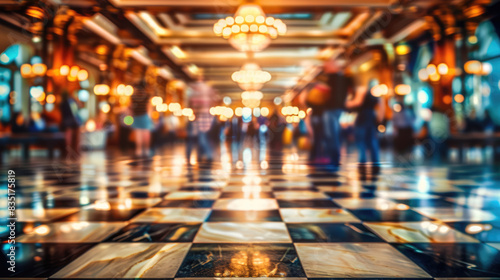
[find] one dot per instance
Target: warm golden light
(264, 111)
(249, 30)
(459, 98)
(64, 70)
(252, 95)
(83, 75)
(251, 102)
(178, 52)
(42, 230)
(435, 77)
(442, 69)
(379, 90)
(403, 49)
(50, 99)
(472, 40)
(251, 77)
(105, 108)
(129, 90)
(473, 67)
(402, 89)
(39, 69)
(73, 72)
(101, 89)
(90, 126)
(431, 69)
(157, 100)
(25, 70)
(423, 75)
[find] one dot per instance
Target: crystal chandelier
(251, 77)
(249, 30)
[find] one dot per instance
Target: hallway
(109, 216)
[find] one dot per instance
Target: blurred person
(262, 130)
(70, 123)
(276, 129)
(124, 130)
(403, 121)
(339, 85)
(365, 126)
(142, 124)
(171, 124)
(439, 133)
(317, 96)
(201, 97)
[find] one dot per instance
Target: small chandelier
(251, 77)
(249, 30)
(251, 99)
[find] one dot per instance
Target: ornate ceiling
(178, 36)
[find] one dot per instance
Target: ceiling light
(251, 77)
(178, 52)
(249, 29)
(252, 95)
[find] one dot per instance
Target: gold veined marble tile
(172, 215)
(426, 231)
(246, 204)
(153, 189)
(71, 232)
(456, 214)
(292, 184)
(300, 195)
(127, 260)
(213, 184)
(243, 188)
(129, 203)
(371, 203)
(304, 215)
(222, 232)
(238, 278)
(40, 215)
(356, 260)
(192, 195)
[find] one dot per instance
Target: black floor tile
(241, 260)
(370, 215)
(245, 216)
(454, 260)
(331, 232)
(186, 203)
(312, 203)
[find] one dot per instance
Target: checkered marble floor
(118, 217)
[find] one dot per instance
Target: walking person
(317, 96)
(404, 120)
(201, 98)
(339, 85)
(141, 108)
(70, 123)
(365, 126)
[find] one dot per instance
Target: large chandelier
(251, 77)
(249, 30)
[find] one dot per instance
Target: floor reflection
(251, 214)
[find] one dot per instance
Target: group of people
(332, 94)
